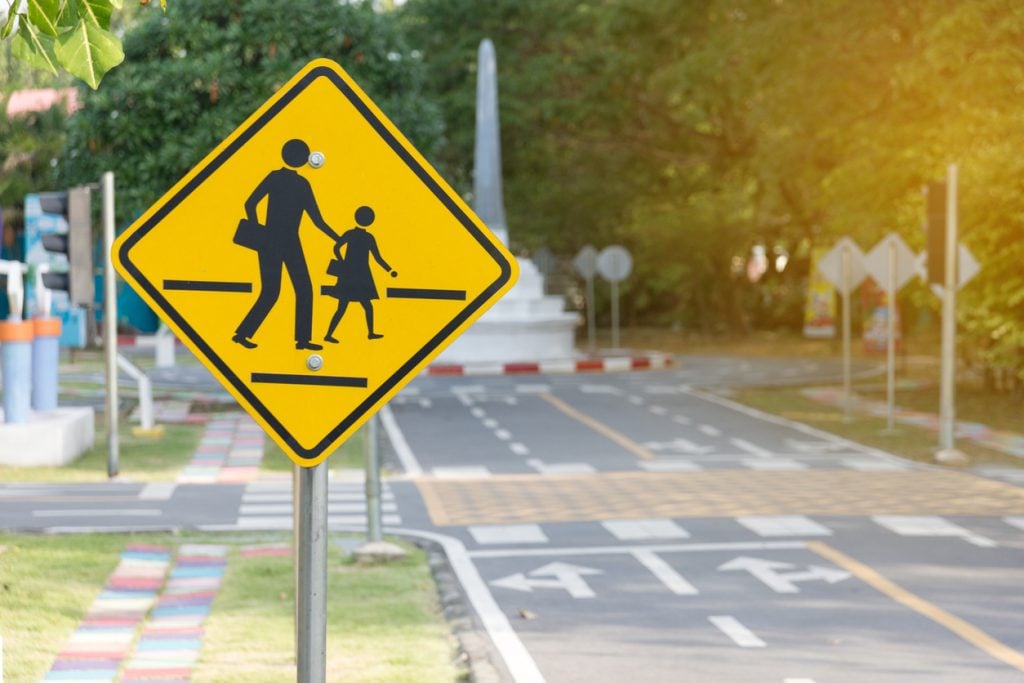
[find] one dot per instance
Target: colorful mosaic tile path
(104, 639)
(229, 452)
(1010, 443)
(173, 635)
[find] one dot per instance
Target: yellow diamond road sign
(314, 262)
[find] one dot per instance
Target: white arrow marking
(769, 572)
(568, 577)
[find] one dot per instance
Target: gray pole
(110, 325)
(296, 473)
(312, 562)
(591, 314)
(615, 314)
(846, 332)
(890, 374)
(948, 376)
(373, 511)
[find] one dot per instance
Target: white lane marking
(873, 465)
(284, 522)
(533, 388)
(98, 512)
(783, 525)
(740, 634)
(600, 389)
(478, 412)
(672, 579)
(772, 573)
(520, 664)
(662, 389)
(636, 400)
(471, 472)
(709, 430)
(405, 455)
(410, 391)
(468, 389)
(331, 497)
(560, 467)
(679, 445)
(464, 399)
(799, 446)
(644, 529)
(682, 419)
(568, 577)
(906, 525)
(668, 465)
(426, 403)
(1015, 521)
(774, 464)
(792, 424)
(158, 491)
(503, 434)
(753, 449)
(511, 400)
(518, 448)
(493, 534)
(627, 550)
(490, 423)
(659, 410)
(286, 508)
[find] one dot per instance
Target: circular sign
(585, 262)
(614, 263)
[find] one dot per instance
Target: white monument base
(49, 438)
(524, 325)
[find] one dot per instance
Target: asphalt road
(633, 527)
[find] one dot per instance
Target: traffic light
(76, 244)
(935, 228)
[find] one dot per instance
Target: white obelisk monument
(524, 325)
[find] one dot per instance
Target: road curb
(647, 360)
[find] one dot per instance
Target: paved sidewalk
(229, 452)
(1010, 443)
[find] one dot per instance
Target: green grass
(383, 624)
(141, 458)
(384, 621)
(907, 441)
(350, 455)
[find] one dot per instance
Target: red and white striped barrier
(642, 361)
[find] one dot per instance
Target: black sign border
(239, 139)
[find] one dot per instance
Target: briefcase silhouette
(250, 234)
(336, 267)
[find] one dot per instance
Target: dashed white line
(490, 423)
(709, 430)
(503, 434)
(636, 400)
(518, 448)
(478, 412)
(744, 445)
(533, 388)
(672, 579)
(931, 526)
(783, 525)
(740, 634)
(682, 419)
(659, 410)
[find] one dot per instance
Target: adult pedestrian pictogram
(314, 203)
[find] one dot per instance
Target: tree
(195, 73)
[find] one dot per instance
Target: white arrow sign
(568, 577)
(770, 573)
(679, 446)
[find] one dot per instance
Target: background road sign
(831, 265)
(420, 261)
(614, 263)
(876, 262)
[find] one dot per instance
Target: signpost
(320, 188)
(615, 264)
(892, 264)
(947, 380)
(585, 264)
(843, 266)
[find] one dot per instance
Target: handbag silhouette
(250, 234)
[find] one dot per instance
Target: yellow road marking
(599, 427)
(972, 634)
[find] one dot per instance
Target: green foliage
(73, 35)
(29, 145)
(196, 72)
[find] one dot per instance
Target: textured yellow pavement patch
(526, 498)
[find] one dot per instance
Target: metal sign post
(110, 326)
(312, 568)
(947, 385)
(845, 289)
(843, 266)
(373, 509)
(615, 264)
(586, 265)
